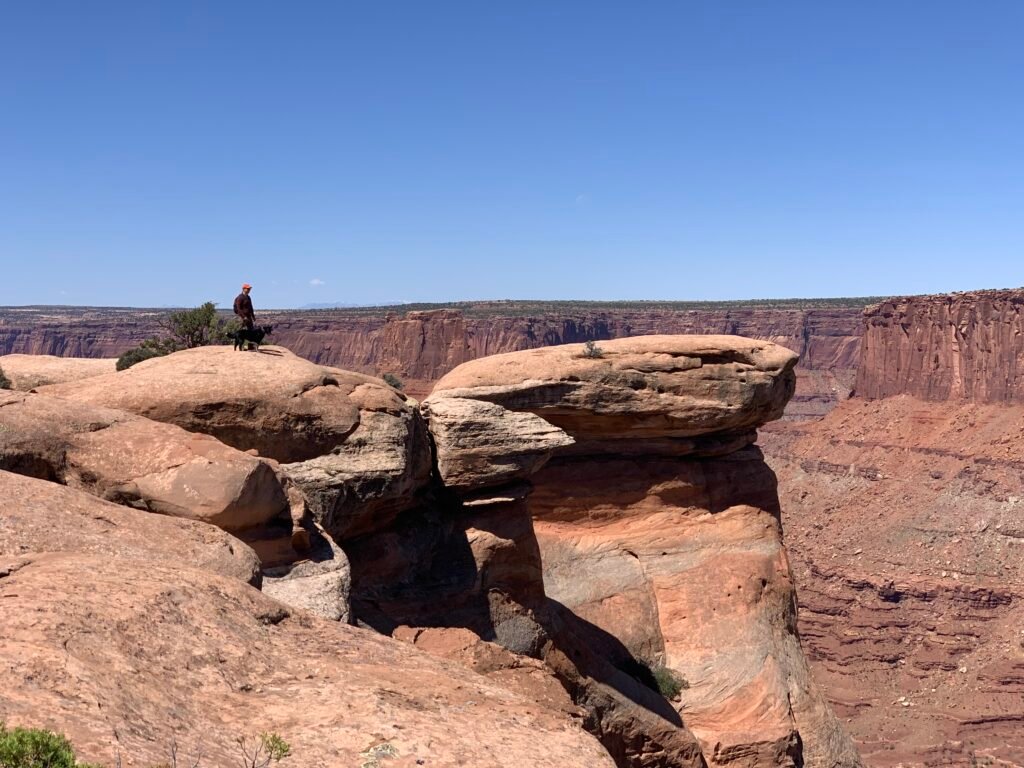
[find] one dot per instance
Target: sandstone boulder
(30, 371)
(642, 387)
(319, 581)
(354, 445)
(38, 516)
(481, 444)
(129, 658)
(136, 461)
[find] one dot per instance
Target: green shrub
(670, 683)
(185, 329)
(261, 752)
(189, 328)
(146, 350)
(393, 381)
(591, 350)
(275, 746)
(5, 383)
(33, 748)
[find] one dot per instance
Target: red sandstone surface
(964, 346)
(421, 346)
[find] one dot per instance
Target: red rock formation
(26, 372)
(658, 524)
(964, 346)
(903, 513)
(129, 658)
(132, 460)
(906, 525)
(421, 346)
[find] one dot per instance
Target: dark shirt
(243, 307)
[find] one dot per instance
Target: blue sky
(160, 153)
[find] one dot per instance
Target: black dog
(255, 336)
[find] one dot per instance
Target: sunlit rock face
(659, 525)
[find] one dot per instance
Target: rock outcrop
(658, 526)
(597, 518)
(963, 346)
(27, 372)
(422, 346)
(37, 516)
(132, 658)
(136, 461)
(354, 445)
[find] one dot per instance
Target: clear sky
(160, 153)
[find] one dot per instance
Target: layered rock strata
(658, 524)
(962, 346)
(906, 526)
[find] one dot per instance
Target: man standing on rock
(243, 307)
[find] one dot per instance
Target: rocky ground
(138, 624)
(905, 522)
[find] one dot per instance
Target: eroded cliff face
(658, 526)
(903, 512)
(964, 346)
(421, 346)
(621, 473)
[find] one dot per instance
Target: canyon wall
(421, 346)
(903, 514)
(963, 346)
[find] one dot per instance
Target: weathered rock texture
(421, 346)
(132, 460)
(354, 445)
(39, 516)
(129, 658)
(905, 520)
(659, 526)
(29, 371)
(902, 511)
(964, 346)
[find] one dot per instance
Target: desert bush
(5, 383)
(261, 752)
(199, 327)
(592, 351)
(670, 683)
(146, 350)
(393, 381)
(185, 329)
(35, 748)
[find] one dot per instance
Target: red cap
(246, 285)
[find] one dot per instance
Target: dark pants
(247, 323)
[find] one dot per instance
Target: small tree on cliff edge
(184, 329)
(197, 327)
(5, 383)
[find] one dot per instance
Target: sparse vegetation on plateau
(592, 351)
(36, 748)
(184, 329)
(5, 383)
(261, 752)
(393, 381)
